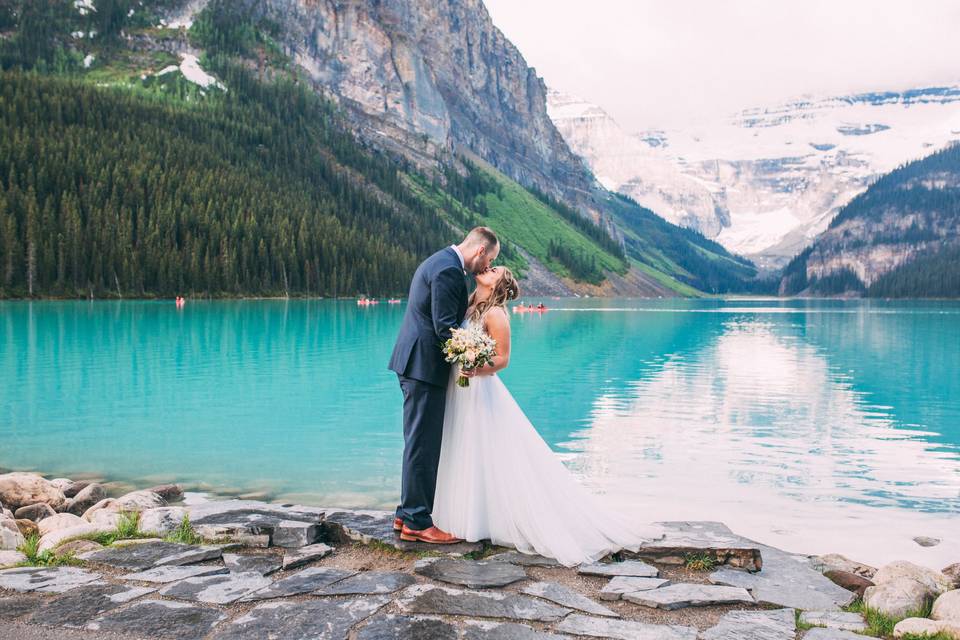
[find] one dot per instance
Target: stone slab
(302, 620)
(19, 606)
(77, 607)
(287, 526)
(306, 581)
(45, 579)
(620, 585)
(156, 553)
(161, 619)
(778, 624)
(262, 563)
(843, 620)
(476, 574)
(679, 596)
(167, 574)
(485, 630)
(305, 555)
(342, 526)
(218, 589)
(581, 625)
(710, 538)
(524, 559)
(392, 627)
(428, 599)
(567, 597)
(819, 633)
(634, 568)
(369, 583)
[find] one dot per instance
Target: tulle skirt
(499, 481)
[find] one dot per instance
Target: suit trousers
(423, 408)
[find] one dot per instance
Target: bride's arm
(497, 325)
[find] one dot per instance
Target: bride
(498, 480)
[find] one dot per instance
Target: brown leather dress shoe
(398, 524)
(431, 535)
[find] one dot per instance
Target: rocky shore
(77, 562)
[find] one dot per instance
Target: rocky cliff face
(423, 78)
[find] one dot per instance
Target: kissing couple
(474, 467)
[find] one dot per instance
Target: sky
(667, 63)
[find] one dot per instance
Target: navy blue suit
(436, 304)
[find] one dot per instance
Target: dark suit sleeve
(445, 292)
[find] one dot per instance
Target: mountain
(296, 147)
(766, 181)
(899, 238)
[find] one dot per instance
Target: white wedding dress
(499, 481)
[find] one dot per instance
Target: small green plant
(801, 626)
(128, 525)
(184, 533)
(881, 625)
(700, 561)
(45, 558)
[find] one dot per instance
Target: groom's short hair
(482, 235)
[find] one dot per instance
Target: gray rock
(160, 619)
(779, 624)
(164, 575)
(947, 607)
(925, 541)
(19, 606)
(897, 598)
(85, 498)
(59, 521)
(524, 559)
(263, 563)
(391, 627)
(306, 581)
(53, 539)
(634, 568)
(679, 596)
(77, 547)
(286, 526)
(787, 583)
(923, 627)
(216, 589)
(162, 520)
(368, 582)
(934, 581)
(369, 526)
(138, 501)
(10, 558)
(79, 606)
(819, 633)
(305, 555)
(471, 573)
(169, 492)
(624, 629)
(69, 487)
(567, 597)
(485, 630)
(35, 512)
(137, 557)
(10, 536)
(952, 572)
(843, 620)
(308, 620)
(712, 539)
(620, 585)
(837, 562)
(428, 599)
(45, 579)
(22, 489)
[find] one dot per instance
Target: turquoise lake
(788, 420)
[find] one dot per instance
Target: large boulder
(107, 504)
(169, 492)
(837, 562)
(59, 521)
(947, 607)
(922, 627)
(953, 573)
(35, 512)
(934, 581)
(53, 539)
(849, 581)
(10, 536)
(72, 489)
(106, 518)
(135, 501)
(20, 489)
(85, 498)
(11, 558)
(161, 520)
(898, 597)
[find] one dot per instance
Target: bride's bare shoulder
(497, 315)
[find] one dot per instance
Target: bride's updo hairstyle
(507, 288)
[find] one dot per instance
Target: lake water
(814, 425)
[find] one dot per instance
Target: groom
(437, 303)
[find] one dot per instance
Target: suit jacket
(436, 304)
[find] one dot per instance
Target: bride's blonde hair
(505, 289)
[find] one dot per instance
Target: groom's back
(417, 352)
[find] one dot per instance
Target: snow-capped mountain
(765, 181)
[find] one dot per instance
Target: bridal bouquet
(471, 348)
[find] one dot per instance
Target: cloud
(654, 63)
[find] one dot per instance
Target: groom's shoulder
(441, 259)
